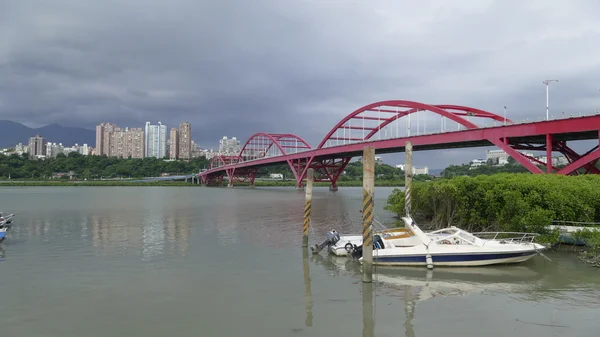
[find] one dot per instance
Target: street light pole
(547, 83)
(505, 115)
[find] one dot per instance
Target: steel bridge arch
(275, 139)
(441, 109)
(220, 161)
(413, 107)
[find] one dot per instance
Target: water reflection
(567, 280)
(307, 288)
(148, 235)
(425, 284)
(368, 311)
(153, 235)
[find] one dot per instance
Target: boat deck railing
(509, 237)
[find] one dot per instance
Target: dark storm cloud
(237, 67)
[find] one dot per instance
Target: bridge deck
(571, 129)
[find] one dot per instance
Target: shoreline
(130, 183)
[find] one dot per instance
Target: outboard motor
(331, 238)
(356, 251)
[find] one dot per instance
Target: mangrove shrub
(508, 202)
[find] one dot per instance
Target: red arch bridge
(377, 125)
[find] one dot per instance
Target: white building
(500, 157)
(84, 149)
(20, 149)
(229, 146)
(556, 161)
(53, 149)
(477, 162)
(155, 140)
(415, 170)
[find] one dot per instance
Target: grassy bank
(66, 183)
(506, 202)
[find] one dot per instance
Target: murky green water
(122, 261)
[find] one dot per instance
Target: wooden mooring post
(307, 206)
(408, 174)
(307, 289)
(368, 310)
(368, 161)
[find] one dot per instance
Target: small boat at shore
(347, 244)
(4, 225)
(455, 247)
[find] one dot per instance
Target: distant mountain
(12, 133)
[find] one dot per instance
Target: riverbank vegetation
(93, 167)
(504, 202)
(99, 183)
(591, 253)
(487, 169)
(352, 173)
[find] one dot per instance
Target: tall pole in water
(368, 312)
(547, 83)
(307, 289)
(367, 212)
(408, 174)
(307, 206)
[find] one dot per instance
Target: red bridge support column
(330, 170)
(299, 168)
(230, 176)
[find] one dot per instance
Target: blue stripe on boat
(451, 257)
(2, 235)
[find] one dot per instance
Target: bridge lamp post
(505, 115)
(547, 83)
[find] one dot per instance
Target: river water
(160, 261)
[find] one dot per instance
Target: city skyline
(486, 55)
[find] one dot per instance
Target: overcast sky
(236, 67)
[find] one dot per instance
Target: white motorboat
(455, 247)
(399, 237)
(348, 244)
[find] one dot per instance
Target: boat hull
(455, 259)
(2, 233)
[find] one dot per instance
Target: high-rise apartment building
(125, 143)
(37, 146)
(174, 144)
(185, 141)
(103, 131)
(135, 143)
(155, 137)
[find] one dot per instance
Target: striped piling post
(368, 161)
(307, 206)
(408, 174)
